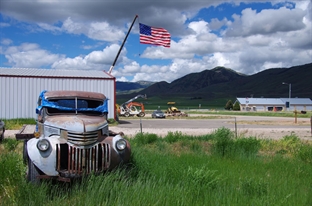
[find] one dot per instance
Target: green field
(214, 169)
(152, 103)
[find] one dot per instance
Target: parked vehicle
(158, 114)
(2, 130)
(71, 138)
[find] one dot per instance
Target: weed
(10, 144)
(203, 177)
(252, 187)
(224, 141)
(247, 146)
(290, 144)
(305, 153)
(172, 137)
(144, 138)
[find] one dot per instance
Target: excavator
(131, 108)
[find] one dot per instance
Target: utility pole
(289, 93)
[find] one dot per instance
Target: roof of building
(298, 101)
(275, 101)
(56, 73)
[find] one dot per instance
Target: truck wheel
(2, 136)
(25, 152)
(141, 114)
(32, 172)
(127, 114)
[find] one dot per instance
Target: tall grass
(214, 169)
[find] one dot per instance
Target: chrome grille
(72, 161)
(82, 139)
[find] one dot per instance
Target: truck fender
(45, 161)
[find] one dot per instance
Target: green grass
(182, 103)
(212, 169)
(16, 124)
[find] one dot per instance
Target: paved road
(249, 122)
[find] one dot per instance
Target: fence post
(296, 116)
(236, 127)
(311, 124)
(141, 124)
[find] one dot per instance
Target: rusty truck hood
(77, 123)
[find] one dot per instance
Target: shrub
(223, 141)
(236, 106)
(229, 105)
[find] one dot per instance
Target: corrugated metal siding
(19, 95)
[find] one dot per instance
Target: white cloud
(96, 60)
(252, 23)
(29, 55)
(253, 41)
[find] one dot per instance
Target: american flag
(155, 36)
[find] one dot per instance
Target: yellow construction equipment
(173, 110)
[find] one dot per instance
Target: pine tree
(229, 105)
(236, 106)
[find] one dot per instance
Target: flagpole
(111, 68)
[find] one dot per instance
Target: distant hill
(130, 87)
(223, 82)
(194, 82)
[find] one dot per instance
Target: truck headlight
(121, 144)
(43, 145)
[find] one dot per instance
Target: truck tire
(141, 114)
(25, 157)
(2, 136)
(127, 114)
(32, 172)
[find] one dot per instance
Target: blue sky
(246, 36)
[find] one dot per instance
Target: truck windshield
(85, 106)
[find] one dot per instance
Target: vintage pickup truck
(71, 138)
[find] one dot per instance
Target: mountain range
(221, 82)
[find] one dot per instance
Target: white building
(275, 104)
(20, 88)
